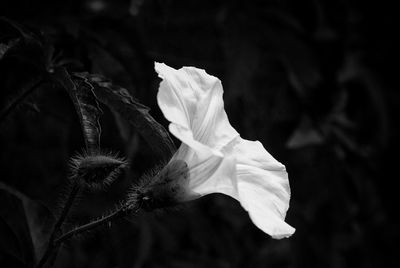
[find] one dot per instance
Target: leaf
(29, 221)
(25, 33)
(119, 100)
(279, 40)
(22, 65)
(86, 105)
(25, 45)
(9, 243)
(17, 98)
(7, 46)
(12, 213)
(9, 260)
(135, 6)
(40, 220)
(305, 135)
(108, 42)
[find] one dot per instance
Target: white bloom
(219, 160)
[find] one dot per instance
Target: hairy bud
(162, 188)
(96, 171)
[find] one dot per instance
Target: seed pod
(163, 188)
(96, 171)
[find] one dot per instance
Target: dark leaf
(23, 45)
(9, 243)
(305, 135)
(134, 9)
(19, 96)
(22, 65)
(9, 260)
(105, 63)
(13, 213)
(29, 221)
(25, 33)
(119, 99)
(40, 220)
(108, 42)
(86, 105)
(6, 46)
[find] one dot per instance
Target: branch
(117, 214)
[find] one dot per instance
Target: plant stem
(64, 213)
(56, 243)
(74, 191)
(119, 213)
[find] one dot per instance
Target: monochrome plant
(212, 157)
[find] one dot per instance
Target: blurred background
(314, 81)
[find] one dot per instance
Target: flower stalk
(54, 244)
(57, 226)
(117, 214)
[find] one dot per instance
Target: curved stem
(74, 191)
(57, 226)
(119, 213)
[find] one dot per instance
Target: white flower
(219, 160)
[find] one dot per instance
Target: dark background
(314, 81)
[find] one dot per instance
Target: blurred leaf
(9, 243)
(26, 45)
(40, 220)
(357, 79)
(119, 99)
(305, 135)
(18, 27)
(13, 213)
(19, 96)
(278, 39)
(9, 260)
(86, 105)
(6, 46)
(104, 62)
(135, 7)
(22, 65)
(29, 221)
(115, 54)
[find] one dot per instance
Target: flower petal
(218, 159)
(192, 100)
(263, 187)
(210, 174)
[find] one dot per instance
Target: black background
(314, 81)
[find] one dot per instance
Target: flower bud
(96, 171)
(164, 188)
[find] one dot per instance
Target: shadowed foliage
(314, 81)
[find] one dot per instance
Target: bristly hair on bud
(162, 187)
(96, 171)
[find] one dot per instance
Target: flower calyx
(165, 187)
(96, 171)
